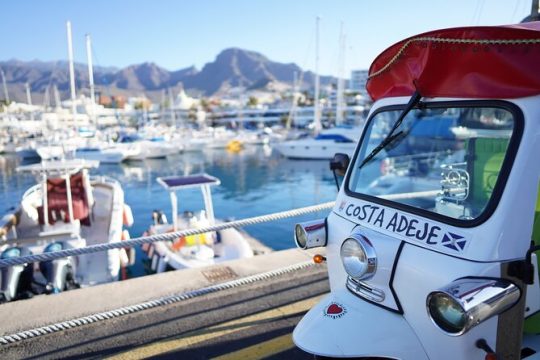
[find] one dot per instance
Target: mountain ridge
(232, 68)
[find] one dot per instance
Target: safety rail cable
(49, 256)
(167, 300)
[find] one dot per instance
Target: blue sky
(177, 34)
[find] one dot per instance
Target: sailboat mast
(57, 103)
(71, 74)
(6, 94)
(317, 120)
(340, 80)
(29, 100)
(171, 108)
(91, 78)
(28, 96)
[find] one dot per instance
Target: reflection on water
(255, 181)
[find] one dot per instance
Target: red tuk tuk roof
(467, 62)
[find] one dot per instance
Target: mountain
(232, 68)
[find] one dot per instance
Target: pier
(252, 317)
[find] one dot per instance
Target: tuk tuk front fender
(342, 325)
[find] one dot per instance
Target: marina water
(255, 181)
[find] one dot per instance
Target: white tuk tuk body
(448, 205)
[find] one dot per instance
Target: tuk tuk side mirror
(338, 165)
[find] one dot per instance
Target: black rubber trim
(394, 268)
(510, 155)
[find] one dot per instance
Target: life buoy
(127, 216)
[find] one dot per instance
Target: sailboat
(325, 143)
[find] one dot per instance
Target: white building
(358, 81)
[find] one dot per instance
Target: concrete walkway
(49, 309)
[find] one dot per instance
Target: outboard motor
(58, 273)
(16, 280)
(159, 217)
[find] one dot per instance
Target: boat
(141, 149)
(196, 250)
(103, 155)
(66, 209)
(340, 139)
(324, 143)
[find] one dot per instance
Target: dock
(252, 320)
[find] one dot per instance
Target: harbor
(255, 174)
(380, 200)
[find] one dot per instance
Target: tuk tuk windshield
(445, 160)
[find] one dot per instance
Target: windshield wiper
(413, 101)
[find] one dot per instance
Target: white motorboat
(197, 250)
(103, 155)
(141, 149)
(66, 209)
(340, 139)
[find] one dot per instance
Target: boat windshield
(447, 160)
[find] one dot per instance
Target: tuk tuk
(432, 245)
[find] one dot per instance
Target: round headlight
(358, 257)
(52, 247)
(11, 253)
(447, 313)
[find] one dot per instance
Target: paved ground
(253, 321)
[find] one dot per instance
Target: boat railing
(104, 179)
(30, 191)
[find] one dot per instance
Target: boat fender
(124, 259)
(146, 246)
(125, 235)
(127, 215)
(129, 252)
(132, 256)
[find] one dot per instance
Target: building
(358, 81)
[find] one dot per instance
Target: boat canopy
(202, 181)
(59, 167)
(467, 62)
(182, 182)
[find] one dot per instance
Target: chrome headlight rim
(311, 234)
(369, 253)
(478, 299)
